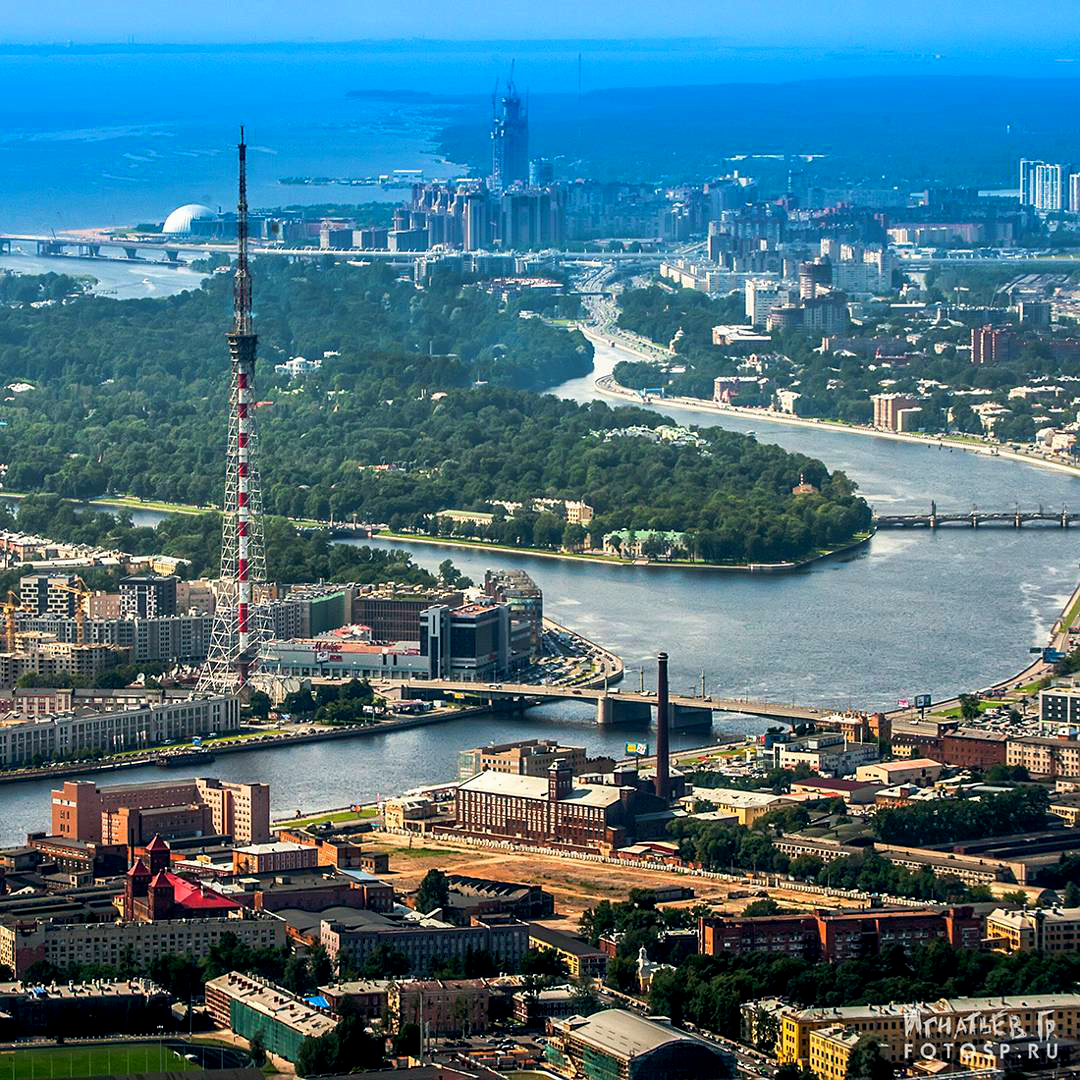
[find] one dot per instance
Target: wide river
(916, 613)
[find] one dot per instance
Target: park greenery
(352, 702)
(837, 385)
(634, 923)
(1020, 810)
(710, 990)
(18, 290)
(424, 402)
(725, 845)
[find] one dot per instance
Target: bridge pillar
(974, 519)
(1064, 519)
(610, 711)
(5, 246)
(686, 717)
(1018, 521)
(131, 252)
(172, 254)
(933, 514)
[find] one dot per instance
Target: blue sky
(951, 25)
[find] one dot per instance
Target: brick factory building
(838, 936)
(552, 811)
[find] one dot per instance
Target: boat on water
(180, 758)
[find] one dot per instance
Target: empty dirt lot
(575, 885)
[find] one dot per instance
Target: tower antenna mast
(239, 629)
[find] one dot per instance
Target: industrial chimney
(663, 785)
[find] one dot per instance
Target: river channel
(909, 613)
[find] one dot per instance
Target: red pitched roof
(198, 897)
(160, 880)
(139, 869)
(157, 844)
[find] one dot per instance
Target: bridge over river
(977, 518)
(613, 706)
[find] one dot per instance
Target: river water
(118, 278)
(909, 613)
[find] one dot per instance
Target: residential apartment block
(248, 1005)
(838, 936)
(1041, 930)
(48, 738)
(134, 813)
(109, 944)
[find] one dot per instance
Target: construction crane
(79, 589)
(10, 606)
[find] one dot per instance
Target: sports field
(42, 1063)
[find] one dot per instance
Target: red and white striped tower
(239, 630)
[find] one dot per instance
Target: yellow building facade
(822, 1039)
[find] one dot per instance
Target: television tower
(239, 629)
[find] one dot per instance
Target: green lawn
(207, 741)
(335, 818)
(1071, 615)
(993, 703)
(1032, 687)
(133, 503)
(73, 1061)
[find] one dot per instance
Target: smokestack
(663, 786)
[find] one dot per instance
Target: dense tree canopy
(1019, 811)
(422, 403)
(709, 990)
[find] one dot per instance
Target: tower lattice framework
(240, 628)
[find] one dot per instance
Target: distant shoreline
(607, 386)
(610, 560)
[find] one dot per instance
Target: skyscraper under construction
(509, 138)
(239, 628)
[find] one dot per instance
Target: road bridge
(143, 248)
(613, 706)
(977, 518)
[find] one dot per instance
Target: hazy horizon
(938, 24)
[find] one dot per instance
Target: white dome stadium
(179, 221)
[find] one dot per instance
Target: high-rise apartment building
(509, 139)
(148, 596)
(763, 296)
(894, 412)
(1047, 186)
(991, 345)
(47, 594)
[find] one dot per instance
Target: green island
(423, 416)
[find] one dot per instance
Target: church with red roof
(153, 893)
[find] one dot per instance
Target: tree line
(291, 556)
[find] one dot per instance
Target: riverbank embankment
(608, 387)
(609, 670)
